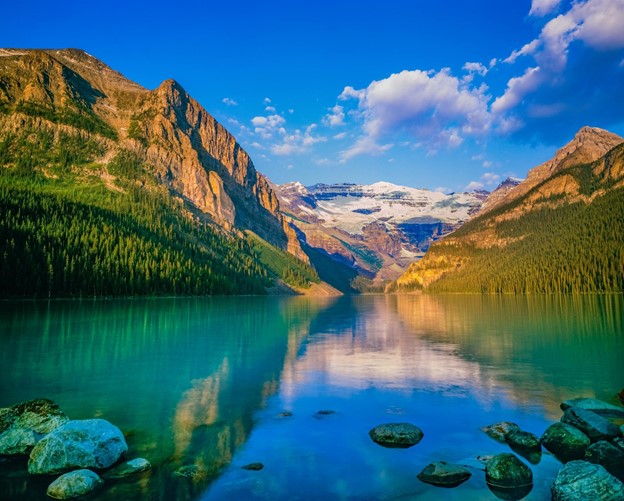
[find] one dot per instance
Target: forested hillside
(565, 235)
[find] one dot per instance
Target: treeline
(575, 248)
(59, 239)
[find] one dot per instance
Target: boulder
(508, 472)
(498, 431)
(41, 416)
(192, 472)
(580, 481)
(74, 484)
(128, 468)
(594, 405)
(523, 440)
(444, 474)
(607, 455)
(594, 426)
(253, 466)
(89, 443)
(7, 416)
(323, 413)
(565, 441)
(17, 441)
(401, 435)
(23, 425)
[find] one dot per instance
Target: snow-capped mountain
(377, 225)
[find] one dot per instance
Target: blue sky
(446, 95)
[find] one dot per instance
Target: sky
(447, 95)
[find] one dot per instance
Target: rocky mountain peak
(588, 145)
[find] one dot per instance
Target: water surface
(206, 382)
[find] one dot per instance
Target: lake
(218, 383)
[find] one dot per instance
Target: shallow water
(204, 382)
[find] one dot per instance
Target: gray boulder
(507, 471)
(128, 468)
(17, 441)
(23, 425)
(498, 431)
(594, 405)
(444, 474)
(401, 435)
(580, 481)
(74, 484)
(523, 440)
(565, 441)
(607, 455)
(89, 443)
(253, 466)
(594, 426)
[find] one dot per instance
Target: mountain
(560, 230)
(375, 229)
(83, 146)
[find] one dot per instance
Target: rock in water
(401, 435)
(498, 431)
(621, 395)
(23, 425)
(128, 468)
(580, 481)
(607, 455)
(16, 441)
(89, 443)
(74, 484)
(523, 440)
(594, 405)
(253, 466)
(565, 441)
(506, 471)
(594, 426)
(444, 474)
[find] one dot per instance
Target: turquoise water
(205, 382)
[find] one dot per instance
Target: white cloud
(436, 107)
(229, 101)
(600, 23)
(266, 100)
(527, 49)
(476, 68)
(340, 135)
(517, 88)
(335, 118)
(543, 7)
(268, 126)
(270, 109)
(474, 185)
(365, 145)
(291, 111)
(487, 164)
(298, 141)
(441, 189)
(490, 178)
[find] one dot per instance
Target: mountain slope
(558, 231)
(376, 230)
(130, 163)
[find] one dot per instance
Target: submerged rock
(253, 466)
(523, 440)
(565, 441)
(23, 425)
(580, 481)
(192, 472)
(498, 431)
(17, 441)
(507, 471)
(323, 413)
(594, 426)
(621, 395)
(74, 484)
(607, 455)
(89, 443)
(594, 405)
(401, 435)
(444, 474)
(128, 468)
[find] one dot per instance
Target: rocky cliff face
(587, 168)
(182, 144)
